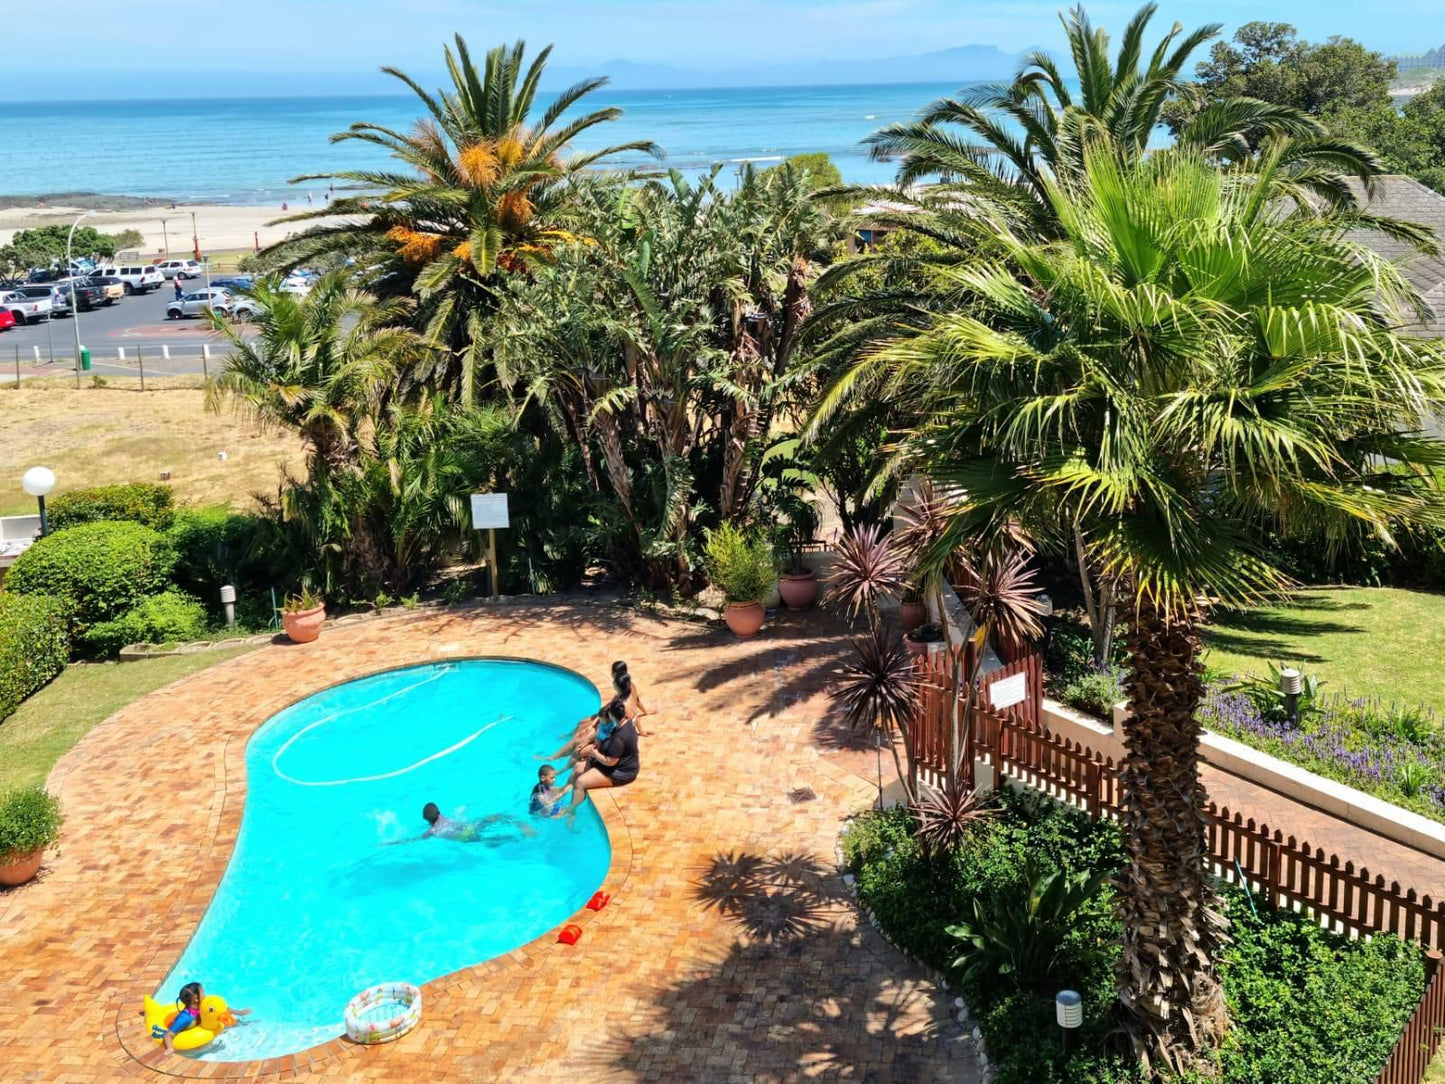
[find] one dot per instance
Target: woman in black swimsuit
(615, 763)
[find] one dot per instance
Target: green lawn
(62, 713)
(1367, 641)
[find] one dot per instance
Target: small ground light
(1069, 1011)
(228, 600)
(38, 482)
(1291, 684)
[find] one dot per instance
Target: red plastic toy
(570, 934)
(599, 901)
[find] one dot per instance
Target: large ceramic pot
(305, 626)
(924, 639)
(744, 618)
(799, 589)
(16, 869)
(911, 615)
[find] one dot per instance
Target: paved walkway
(743, 959)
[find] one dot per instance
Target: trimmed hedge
(170, 617)
(215, 545)
(100, 569)
(136, 502)
(34, 645)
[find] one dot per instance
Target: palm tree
(1005, 143)
(1181, 372)
(318, 364)
(484, 191)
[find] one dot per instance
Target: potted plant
(302, 616)
(798, 584)
(29, 822)
(744, 569)
(911, 609)
(919, 641)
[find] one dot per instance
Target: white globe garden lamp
(39, 482)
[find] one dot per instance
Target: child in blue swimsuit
(546, 795)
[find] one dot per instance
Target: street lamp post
(195, 238)
(38, 482)
(74, 309)
(166, 238)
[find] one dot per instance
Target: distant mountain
(960, 64)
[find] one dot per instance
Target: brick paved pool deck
(729, 950)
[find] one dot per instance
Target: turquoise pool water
(316, 904)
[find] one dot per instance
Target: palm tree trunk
(1167, 984)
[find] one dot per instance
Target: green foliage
(127, 240)
(29, 819)
(819, 167)
(101, 570)
(167, 618)
(1306, 1006)
(46, 245)
(1309, 1006)
(742, 566)
(216, 545)
(34, 645)
(458, 590)
(1264, 692)
(1019, 934)
(1267, 61)
(135, 502)
(302, 601)
(1096, 692)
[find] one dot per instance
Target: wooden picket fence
(1288, 872)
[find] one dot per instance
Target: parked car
(59, 296)
(114, 288)
(200, 303)
(137, 278)
(235, 282)
(186, 269)
(26, 310)
(50, 274)
(300, 285)
(7, 320)
(246, 308)
(87, 294)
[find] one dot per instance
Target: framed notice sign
(489, 511)
(1009, 691)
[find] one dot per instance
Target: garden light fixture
(39, 482)
(228, 602)
(1290, 684)
(1069, 1011)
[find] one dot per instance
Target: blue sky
(358, 35)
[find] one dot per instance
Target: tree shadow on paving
(797, 663)
(797, 993)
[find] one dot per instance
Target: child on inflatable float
(197, 1021)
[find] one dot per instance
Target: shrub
(34, 645)
(215, 546)
(1096, 691)
(170, 617)
(100, 569)
(136, 502)
(29, 819)
(743, 568)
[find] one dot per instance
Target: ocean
(246, 150)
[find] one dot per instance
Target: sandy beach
(218, 227)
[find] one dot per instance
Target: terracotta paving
(729, 950)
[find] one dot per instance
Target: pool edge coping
(231, 786)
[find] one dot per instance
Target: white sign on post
(1009, 691)
(489, 511)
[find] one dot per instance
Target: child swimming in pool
(547, 797)
(476, 830)
(191, 996)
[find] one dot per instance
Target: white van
(138, 278)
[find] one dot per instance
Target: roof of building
(1398, 196)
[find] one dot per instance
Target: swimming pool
(316, 904)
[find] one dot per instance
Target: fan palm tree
(1181, 372)
(1006, 142)
(483, 191)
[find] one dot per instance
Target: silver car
(27, 310)
(200, 303)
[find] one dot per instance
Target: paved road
(137, 324)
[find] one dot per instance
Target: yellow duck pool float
(215, 1018)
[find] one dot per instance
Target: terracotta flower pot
(16, 869)
(911, 615)
(799, 589)
(744, 618)
(305, 626)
